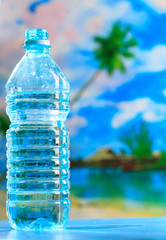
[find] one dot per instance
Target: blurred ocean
(146, 186)
(143, 186)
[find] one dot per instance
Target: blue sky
(146, 87)
(112, 104)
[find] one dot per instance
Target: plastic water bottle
(38, 141)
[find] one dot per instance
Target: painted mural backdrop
(114, 55)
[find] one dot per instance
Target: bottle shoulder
(37, 72)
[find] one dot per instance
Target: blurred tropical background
(114, 55)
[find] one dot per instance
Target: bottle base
(40, 224)
(43, 215)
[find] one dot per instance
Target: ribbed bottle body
(38, 160)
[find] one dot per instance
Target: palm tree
(138, 141)
(111, 53)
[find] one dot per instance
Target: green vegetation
(4, 124)
(139, 143)
(111, 52)
(113, 49)
(160, 163)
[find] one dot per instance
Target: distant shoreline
(74, 165)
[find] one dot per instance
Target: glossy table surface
(78, 229)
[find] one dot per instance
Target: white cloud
(164, 92)
(157, 5)
(103, 83)
(153, 60)
(150, 111)
(63, 45)
(106, 82)
(89, 4)
(121, 11)
(75, 123)
(96, 103)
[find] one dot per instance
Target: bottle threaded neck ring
(36, 33)
(37, 36)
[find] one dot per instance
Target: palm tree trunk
(84, 88)
(2, 177)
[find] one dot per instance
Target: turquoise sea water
(93, 184)
(143, 186)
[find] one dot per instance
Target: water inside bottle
(38, 160)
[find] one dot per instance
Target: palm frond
(128, 54)
(113, 49)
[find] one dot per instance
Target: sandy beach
(3, 205)
(82, 208)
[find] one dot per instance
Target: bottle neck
(37, 49)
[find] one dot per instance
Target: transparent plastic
(37, 99)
